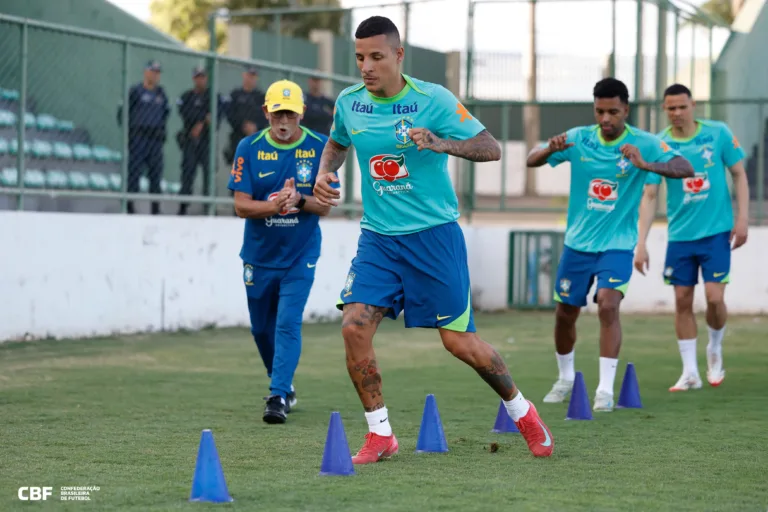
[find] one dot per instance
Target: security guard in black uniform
(148, 112)
(319, 114)
(244, 111)
(194, 138)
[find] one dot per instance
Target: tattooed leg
(485, 360)
(358, 326)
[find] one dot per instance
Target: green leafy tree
(187, 20)
(721, 9)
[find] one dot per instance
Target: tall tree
(187, 20)
(722, 9)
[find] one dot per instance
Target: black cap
(153, 65)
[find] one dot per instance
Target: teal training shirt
(404, 190)
(606, 188)
(699, 207)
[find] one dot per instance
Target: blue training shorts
(578, 270)
(712, 254)
(425, 275)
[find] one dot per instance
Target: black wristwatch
(301, 202)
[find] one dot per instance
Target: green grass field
(126, 414)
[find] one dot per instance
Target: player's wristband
(301, 202)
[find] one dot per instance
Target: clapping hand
(288, 197)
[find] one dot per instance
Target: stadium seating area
(59, 156)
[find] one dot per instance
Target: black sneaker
(291, 401)
(274, 412)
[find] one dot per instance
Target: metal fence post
(279, 33)
(612, 61)
(408, 60)
(639, 55)
(22, 122)
(212, 135)
(693, 59)
(760, 164)
(351, 65)
(470, 49)
(661, 66)
(504, 139)
(511, 281)
(711, 72)
(124, 125)
(677, 36)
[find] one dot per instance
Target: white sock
(565, 365)
(517, 407)
(607, 374)
(378, 422)
(715, 339)
(688, 354)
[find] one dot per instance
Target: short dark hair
(675, 89)
(611, 88)
(377, 26)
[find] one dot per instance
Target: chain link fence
(128, 125)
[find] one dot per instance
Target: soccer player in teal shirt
(701, 228)
(411, 255)
(610, 163)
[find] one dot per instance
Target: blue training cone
(578, 408)
(208, 483)
(629, 398)
(504, 424)
(431, 435)
(337, 460)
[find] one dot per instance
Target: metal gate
(533, 260)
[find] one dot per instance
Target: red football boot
(536, 433)
(376, 447)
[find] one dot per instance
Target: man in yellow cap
(273, 176)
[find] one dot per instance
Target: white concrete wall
(72, 275)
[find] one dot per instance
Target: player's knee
(462, 345)
(607, 310)
(715, 300)
(684, 302)
(565, 315)
(288, 329)
(356, 338)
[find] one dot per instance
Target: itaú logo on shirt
(280, 221)
(602, 195)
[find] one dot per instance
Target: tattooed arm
(483, 147)
(676, 168)
(333, 156)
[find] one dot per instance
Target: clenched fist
(425, 139)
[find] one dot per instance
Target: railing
(64, 147)
(64, 134)
(501, 186)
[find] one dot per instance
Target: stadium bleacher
(59, 156)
